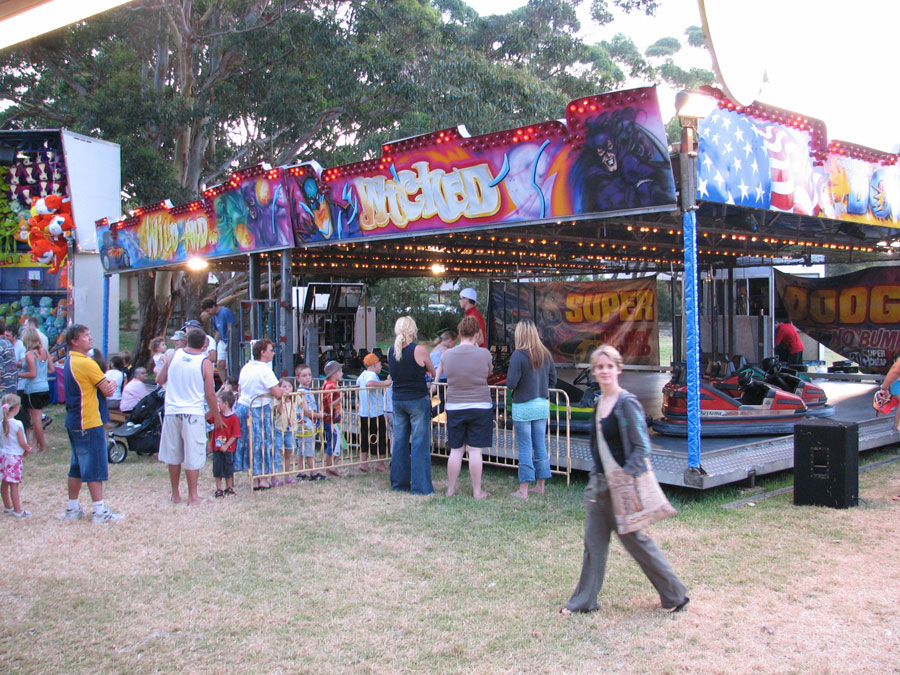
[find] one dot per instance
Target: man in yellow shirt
(84, 381)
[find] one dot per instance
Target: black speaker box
(826, 463)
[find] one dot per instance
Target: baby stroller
(141, 431)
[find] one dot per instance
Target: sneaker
(8, 512)
(22, 514)
(74, 514)
(107, 516)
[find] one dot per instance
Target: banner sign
(247, 215)
(575, 317)
(856, 315)
(777, 161)
(609, 156)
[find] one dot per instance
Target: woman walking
(411, 456)
(470, 411)
(530, 376)
(619, 416)
(37, 366)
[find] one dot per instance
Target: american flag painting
(760, 165)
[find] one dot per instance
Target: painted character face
(606, 151)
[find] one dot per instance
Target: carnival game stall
(55, 179)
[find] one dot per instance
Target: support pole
(106, 316)
(688, 189)
(286, 307)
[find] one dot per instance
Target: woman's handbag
(637, 501)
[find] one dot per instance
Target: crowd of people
(394, 416)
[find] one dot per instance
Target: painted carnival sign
(610, 156)
(857, 314)
(249, 214)
(781, 163)
(575, 317)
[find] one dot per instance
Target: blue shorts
(473, 427)
(90, 461)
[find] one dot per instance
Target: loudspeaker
(826, 463)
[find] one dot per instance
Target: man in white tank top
(188, 376)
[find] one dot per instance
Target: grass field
(346, 576)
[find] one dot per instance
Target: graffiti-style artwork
(856, 315)
(610, 155)
(765, 164)
(249, 215)
(575, 318)
(623, 164)
(254, 215)
(317, 215)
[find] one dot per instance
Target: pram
(142, 429)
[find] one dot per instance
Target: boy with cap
(331, 407)
(372, 423)
(468, 298)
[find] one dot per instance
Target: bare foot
(364, 469)
(895, 499)
(450, 493)
(565, 611)
(381, 468)
(518, 494)
(195, 501)
(176, 498)
(335, 472)
(538, 491)
(481, 495)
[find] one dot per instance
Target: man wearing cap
(372, 423)
(468, 298)
(210, 347)
(189, 375)
(222, 319)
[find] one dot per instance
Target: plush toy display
(50, 229)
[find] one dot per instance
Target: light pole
(690, 108)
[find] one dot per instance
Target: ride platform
(731, 459)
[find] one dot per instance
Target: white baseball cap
(469, 294)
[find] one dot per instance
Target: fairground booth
(542, 210)
(55, 182)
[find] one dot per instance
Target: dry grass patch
(346, 576)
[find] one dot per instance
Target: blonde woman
(530, 376)
(619, 416)
(409, 362)
(36, 395)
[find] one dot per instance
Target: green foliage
(695, 37)
(666, 46)
(600, 9)
(127, 314)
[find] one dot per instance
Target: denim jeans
(531, 442)
(411, 454)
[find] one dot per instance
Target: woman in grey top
(470, 412)
(531, 374)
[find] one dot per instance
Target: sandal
(229, 492)
(318, 476)
(260, 488)
(218, 494)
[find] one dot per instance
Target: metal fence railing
(285, 442)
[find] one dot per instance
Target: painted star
(702, 187)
